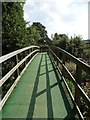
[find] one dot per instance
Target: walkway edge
(14, 84)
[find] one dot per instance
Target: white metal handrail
(16, 67)
(8, 56)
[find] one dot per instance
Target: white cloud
(61, 16)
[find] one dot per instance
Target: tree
(56, 39)
(76, 46)
(33, 35)
(42, 32)
(61, 40)
(13, 26)
(13, 36)
(64, 41)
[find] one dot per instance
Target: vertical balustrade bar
(48, 50)
(25, 60)
(28, 51)
(63, 61)
(78, 80)
(63, 57)
(28, 54)
(58, 56)
(31, 51)
(17, 63)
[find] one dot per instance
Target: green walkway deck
(39, 93)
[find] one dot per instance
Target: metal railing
(60, 56)
(28, 54)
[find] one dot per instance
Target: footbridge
(37, 83)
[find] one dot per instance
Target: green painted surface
(39, 93)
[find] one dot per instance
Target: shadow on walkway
(33, 98)
(70, 111)
(48, 92)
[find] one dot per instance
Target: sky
(59, 16)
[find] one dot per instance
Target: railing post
(25, 56)
(49, 50)
(31, 51)
(78, 80)
(63, 59)
(57, 56)
(28, 54)
(28, 51)
(17, 63)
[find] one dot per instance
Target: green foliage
(71, 86)
(41, 29)
(87, 51)
(74, 45)
(13, 26)
(35, 34)
(56, 39)
(15, 34)
(32, 35)
(64, 41)
(61, 40)
(41, 33)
